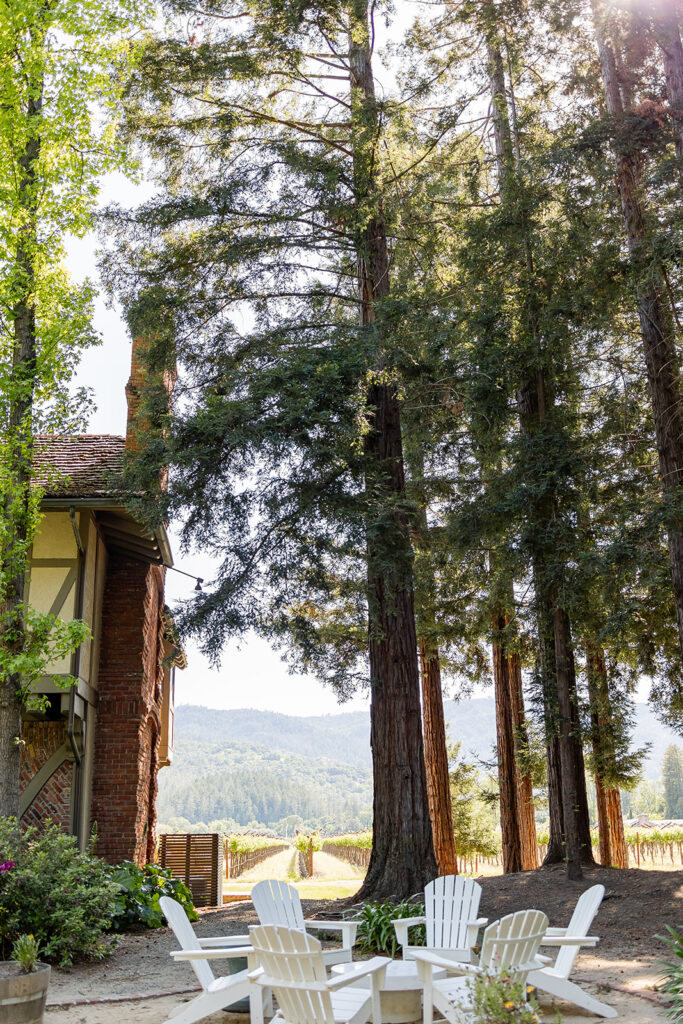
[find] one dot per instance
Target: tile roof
(80, 466)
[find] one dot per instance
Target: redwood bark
(505, 745)
(666, 20)
(436, 761)
(18, 444)
(656, 324)
(613, 849)
(525, 796)
(402, 860)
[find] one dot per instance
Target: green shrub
(136, 903)
(496, 999)
(672, 974)
(376, 931)
(50, 890)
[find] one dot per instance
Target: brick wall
(40, 741)
(127, 736)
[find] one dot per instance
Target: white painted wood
(451, 908)
(293, 966)
(554, 979)
(510, 944)
(400, 993)
(217, 993)
(279, 903)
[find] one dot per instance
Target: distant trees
(672, 779)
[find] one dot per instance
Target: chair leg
(201, 1006)
(562, 988)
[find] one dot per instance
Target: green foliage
(64, 898)
(139, 890)
(376, 932)
(241, 843)
(672, 777)
(672, 974)
(473, 815)
(25, 951)
(361, 839)
(304, 842)
(497, 999)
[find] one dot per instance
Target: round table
(401, 995)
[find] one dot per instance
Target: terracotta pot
(22, 996)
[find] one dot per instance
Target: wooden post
(310, 857)
(638, 847)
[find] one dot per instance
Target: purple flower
(6, 865)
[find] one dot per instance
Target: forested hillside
(257, 767)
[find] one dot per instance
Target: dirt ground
(637, 906)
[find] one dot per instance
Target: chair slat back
(278, 903)
(585, 910)
(184, 933)
(513, 942)
(450, 902)
(290, 955)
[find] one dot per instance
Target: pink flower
(6, 865)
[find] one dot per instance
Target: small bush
(50, 890)
(136, 902)
(672, 974)
(376, 930)
(25, 952)
(496, 999)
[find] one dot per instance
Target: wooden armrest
(570, 940)
(450, 966)
(211, 954)
(224, 941)
(543, 960)
(408, 922)
(338, 926)
(300, 986)
(480, 922)
(556, 931)
(401, 926)
(378, 963)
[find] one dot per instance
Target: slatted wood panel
(451, 903)
(197, 860)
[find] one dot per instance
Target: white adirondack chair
(554, 978)
(280, 903)
(292, 965)
(451, 908)
(217, 993)
(510, 944)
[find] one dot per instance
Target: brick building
(93, 757)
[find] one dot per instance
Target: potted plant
(23, 983)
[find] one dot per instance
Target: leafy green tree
(60, 79)
(288, 454)
(672, 779)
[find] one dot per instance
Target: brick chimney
(138, 380)
(133, 391)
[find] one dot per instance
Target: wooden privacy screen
(197, 860)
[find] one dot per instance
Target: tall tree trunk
(508, 783)
(535, 400)
(666, 20)
(18, 443)
(613, 849)
(402, 860)
(656, 323)
(525, 794)
(436, 761)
